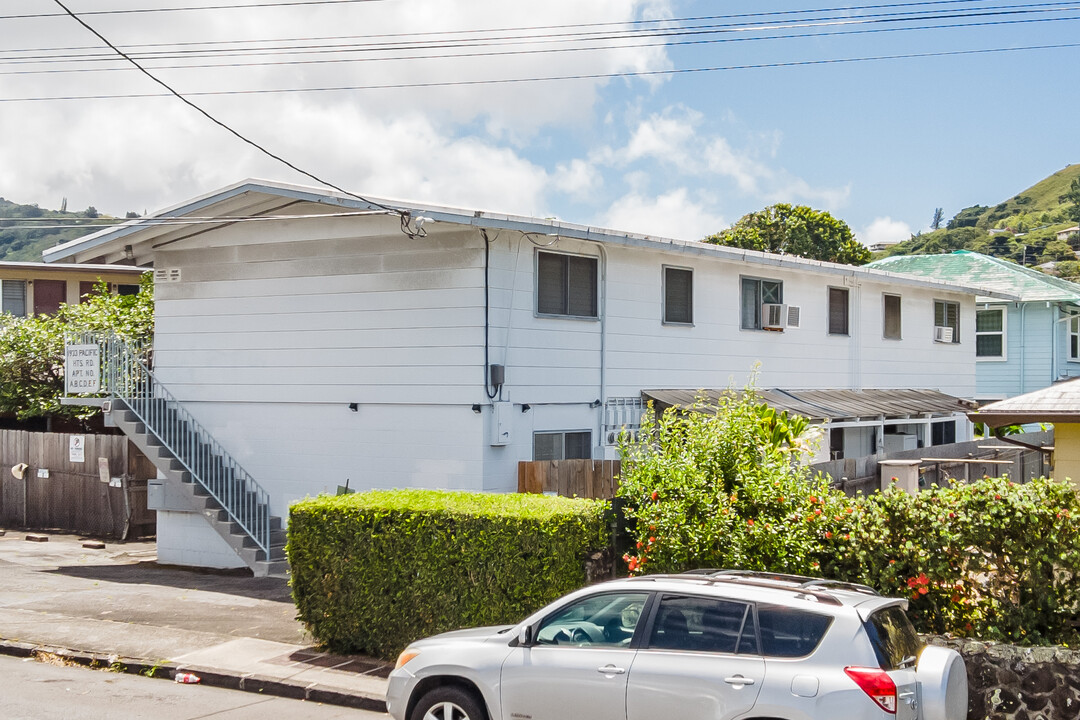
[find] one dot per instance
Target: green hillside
(27, 230)
(1023, 228)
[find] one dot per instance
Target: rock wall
(1006, 682)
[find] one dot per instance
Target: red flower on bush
(655, 495)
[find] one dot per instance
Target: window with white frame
(755, 293)
(947, 315)
(572, 445)
(892, 324)
(678, 296)
(1074, 338)
(13, 294)
(838, 311)
(566, 285)
(990, 334)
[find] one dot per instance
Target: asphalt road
(34, 690)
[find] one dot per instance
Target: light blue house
(1020, 346)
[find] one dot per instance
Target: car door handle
(739, 680)
(611, 670)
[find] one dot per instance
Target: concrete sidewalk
(117, 607)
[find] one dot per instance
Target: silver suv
(711, 644)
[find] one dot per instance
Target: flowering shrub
(720, 489)
(990, 559)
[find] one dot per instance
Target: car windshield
(605, 619)
(893, 637)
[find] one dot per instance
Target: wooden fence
(102, 495)
(570, 478)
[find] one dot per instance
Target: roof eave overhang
(1004, 419)
(114, 239)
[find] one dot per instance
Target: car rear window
(894, 639)
(787, 632)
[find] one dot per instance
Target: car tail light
(876, 683)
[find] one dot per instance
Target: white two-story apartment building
(320, 343)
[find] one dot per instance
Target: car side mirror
(524, 636)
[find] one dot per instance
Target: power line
(540, 51)
(670, 28)
(404, 216)
(553, 78)
(186, 8)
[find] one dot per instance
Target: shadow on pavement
(232, 582)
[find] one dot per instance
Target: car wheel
(448, 703)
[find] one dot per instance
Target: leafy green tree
(939, 216)
(32, 348)
(1057, 250)
(1073, 196)
(91, 212)
(796, 230)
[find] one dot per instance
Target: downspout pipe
(1023, 337)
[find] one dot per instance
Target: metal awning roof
(828, 404)
(1059, 403)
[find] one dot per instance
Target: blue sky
(880, 143)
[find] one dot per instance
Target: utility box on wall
(501, 433)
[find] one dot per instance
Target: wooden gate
(45, 485)
(570, 478)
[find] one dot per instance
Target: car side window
(704, 625)
(605, 620)
(787, 632)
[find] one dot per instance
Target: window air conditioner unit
(942, 334)
(794, 314)
(777, 317)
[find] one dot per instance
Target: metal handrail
(127, 377)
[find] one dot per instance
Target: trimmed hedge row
(373, 571)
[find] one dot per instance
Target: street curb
(213, 677)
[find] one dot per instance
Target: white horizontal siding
(338, 320)
(297, 450)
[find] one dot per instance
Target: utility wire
(671, 28)
(404, 216)
(186, 8)
(538, 51)
(552, 78)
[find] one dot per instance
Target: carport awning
(829, 404)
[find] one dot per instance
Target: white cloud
(465, 144)
(884, 230)
(671, 215)
(577, 177)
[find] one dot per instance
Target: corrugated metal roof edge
(74, 267)
(490, 220)
(1069, 293)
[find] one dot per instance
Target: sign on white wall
(82, 368)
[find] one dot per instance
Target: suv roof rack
(816, 589)
(801, 581)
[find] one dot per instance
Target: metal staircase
(192, 461)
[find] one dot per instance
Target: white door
(579, 663)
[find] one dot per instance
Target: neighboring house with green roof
(1020, 346)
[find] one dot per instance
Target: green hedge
(991, 559)
(374, 571)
